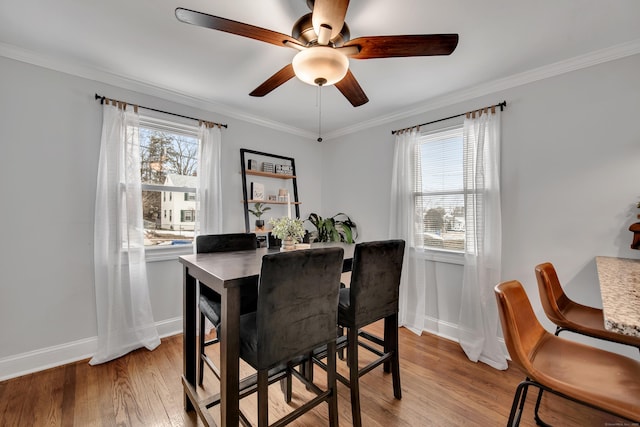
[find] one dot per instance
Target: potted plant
(338, 228)
(635, 229)
(289, 230)
(258, 210)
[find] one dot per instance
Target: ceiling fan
(323, 41)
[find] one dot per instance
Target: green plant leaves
(338, 228)
(259, 209)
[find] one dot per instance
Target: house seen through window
(439, 191)
(169, 155)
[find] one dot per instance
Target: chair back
(521, 329)
(552, 297)
(297, 303)
(230, 242)
(375, 281)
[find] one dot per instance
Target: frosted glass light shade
(320, 65)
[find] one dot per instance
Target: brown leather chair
(297, 311)
(209, 300)
(569, 315)
(588, 375)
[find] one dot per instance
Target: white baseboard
(50, 357)
(449, 331)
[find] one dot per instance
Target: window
(439, 193)
(169, 153)
(187, 216)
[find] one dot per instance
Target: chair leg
(519, 398)
(263, 398)
(200, 358)
(388, 342)
(332, 384)
(391, 345)
(308, 368)
(535, 412)
(340, 332)
(354, 383)
(285, 384)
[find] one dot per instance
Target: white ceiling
(141, 42)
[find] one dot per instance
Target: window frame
(433, 253)
(155, 253)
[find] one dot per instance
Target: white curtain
(124, 316)
(402, 219)
(478, 325)
(209, 194)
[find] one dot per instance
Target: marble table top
(620, 289)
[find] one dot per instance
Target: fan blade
(351, 90)
(330, 13)
(279, 78)
(228, 26)
(400, 46)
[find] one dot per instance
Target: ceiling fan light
(320, 65)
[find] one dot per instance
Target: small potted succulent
(289, 230)
(258, 210)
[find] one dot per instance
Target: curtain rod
(501, 105)
(103, 98)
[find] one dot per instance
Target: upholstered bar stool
(296, 312)
(372, 296)
(209, 300)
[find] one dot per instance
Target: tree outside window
(169, 155)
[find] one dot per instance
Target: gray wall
(50, 128)
(570, 181)
(570, 178)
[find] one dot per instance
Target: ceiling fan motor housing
(303, 31)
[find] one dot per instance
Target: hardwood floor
(440, 387)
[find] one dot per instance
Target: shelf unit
(295, 202)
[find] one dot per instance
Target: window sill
(167, 253)
(448, 257)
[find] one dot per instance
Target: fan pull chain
(319, 102)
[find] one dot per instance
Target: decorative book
(257, 191)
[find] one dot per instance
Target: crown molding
(78, 69)
(126, 82)
(622, 50)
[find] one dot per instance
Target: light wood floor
(440, 387)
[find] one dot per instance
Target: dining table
(225, 273)
(620, 289)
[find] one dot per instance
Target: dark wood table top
(233, 268)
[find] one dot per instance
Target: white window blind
(439, 193)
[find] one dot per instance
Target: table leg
(189, 333)
(230, 357)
